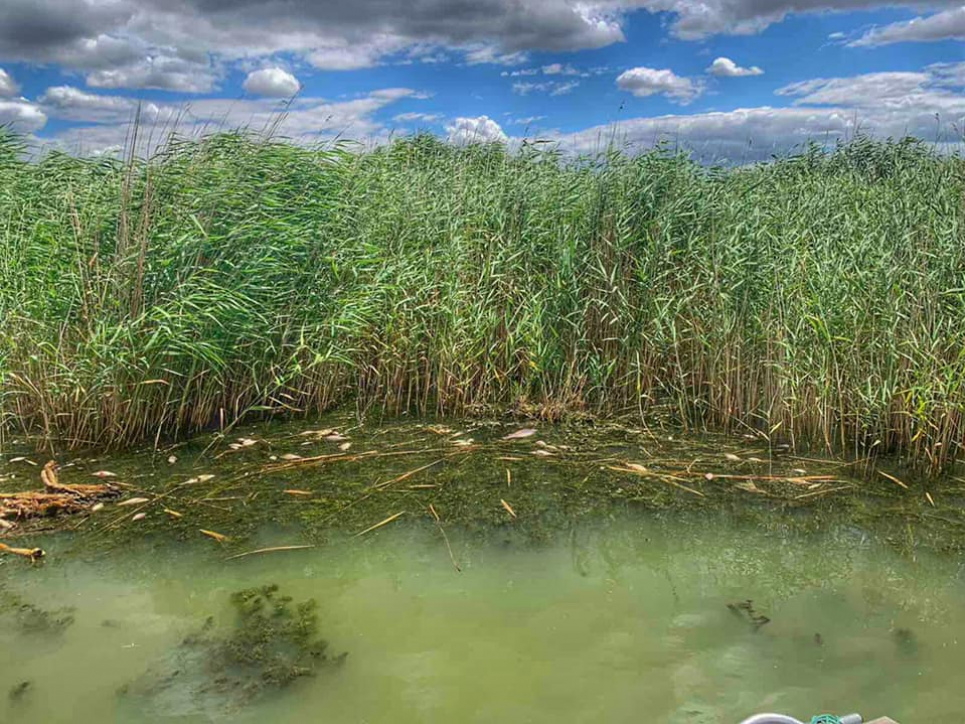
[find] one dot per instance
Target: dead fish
(508, 507)
(96, 507)
(463, 443)
(200, 479)
(291, 456)
(542, 453)
(344, 446)
(172, 513)
(335, 437)
(298, 492)
(317, 433)
(732, 457)
(6, 524)
(22, 460)
(104, 474)
(133, 501)
(520, 434)
(139, 516)
(247, 441)
(172, 459)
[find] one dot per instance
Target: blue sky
(737, 79)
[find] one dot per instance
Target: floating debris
(172, 459)
(520, 434)
(133, 501)
(344, 446)
(217, 536)
(173, 513)
(199, 479)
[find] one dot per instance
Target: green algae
(271, 643)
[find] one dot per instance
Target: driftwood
(56, 499)
(33, 554)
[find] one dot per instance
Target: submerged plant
(271, 643)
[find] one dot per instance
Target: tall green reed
(820, 297)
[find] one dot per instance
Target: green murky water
(601, 577)
(623, 622)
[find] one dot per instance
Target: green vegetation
(820, 298)
(271, 645)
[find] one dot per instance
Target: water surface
(620, 620)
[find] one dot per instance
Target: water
(617, 621)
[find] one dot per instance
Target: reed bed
(819, 298)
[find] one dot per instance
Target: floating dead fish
(172, 459)
(22, 460)
(317, 433)
(542, 453)
(139, 516)
(638, 467)
(291, 456)
(217, 536)
(335, 437)
(709, 476)
(508, 507)
(520, 434)
(199, 479)
(247, 441)
(298, 492)
(464, 442)
(97, 507)
(133, 501)
(754, 460)
(732, 457)
(104, 474)
(6, 524)
(800, 471)
(173, 513)
(344, 446)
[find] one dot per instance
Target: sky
(736, 80)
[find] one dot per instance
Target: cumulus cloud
(643, 82)
(727, 68)
(482, 129)
(698, 19)
(303, 120)
(824, 110)
(948, 25)
(272, 83)
(21, 115)
(8, 86)
(70, 103)
(106, 35)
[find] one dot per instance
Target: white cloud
(73, 104)
(524, 121)
(727, 68)
(161, 72)
(413, 117)
(948, 25)
(559, 69)
(643, 82)
(554, 88)
(21, 115)
(303, 120)
(272, 83)
(482, 129)
(8, 86)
